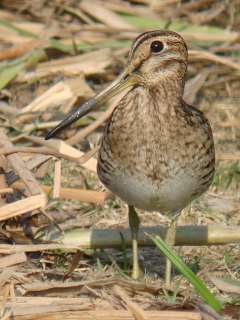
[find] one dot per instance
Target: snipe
(157, 152)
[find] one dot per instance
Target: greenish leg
(170, 241)
(134, 226)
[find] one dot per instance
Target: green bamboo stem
(190, 235)
(111, 238)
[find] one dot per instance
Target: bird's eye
(156, 46)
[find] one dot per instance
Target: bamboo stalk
(190, 235)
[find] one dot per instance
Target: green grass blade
(177, 25)
(9, 74)
(19, 30)
(10, 71)
(84, 47)
(188, 274)
(181, 26)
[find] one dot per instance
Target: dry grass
(54, 56)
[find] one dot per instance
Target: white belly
(168, 197)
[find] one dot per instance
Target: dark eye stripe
(140, 39)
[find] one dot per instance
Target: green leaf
(188, 274)
(8, 74)
(84, 47)
(179, 26)
(21, 31)
(10, 70)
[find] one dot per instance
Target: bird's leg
(170, 241)
(134, 226)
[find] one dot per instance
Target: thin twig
(90, 196)
(133, 307)
(48, 151)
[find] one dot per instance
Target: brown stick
(19, 50)
(204, 55)
(91, 196)
(225, 156)
(57, 179)
(48, 151)
(6, 190)
(13, 259)
(22, 206)
(36, 199)
(17, 163)
(134, 308)
(65, 149)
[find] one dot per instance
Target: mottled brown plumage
(157, 152)
(178, 142)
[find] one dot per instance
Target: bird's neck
(168, 79)
(168, 93)
(170, 87)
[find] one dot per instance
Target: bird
(157, 151)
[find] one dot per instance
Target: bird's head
(154, 56)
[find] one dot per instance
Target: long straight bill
(124, 81)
